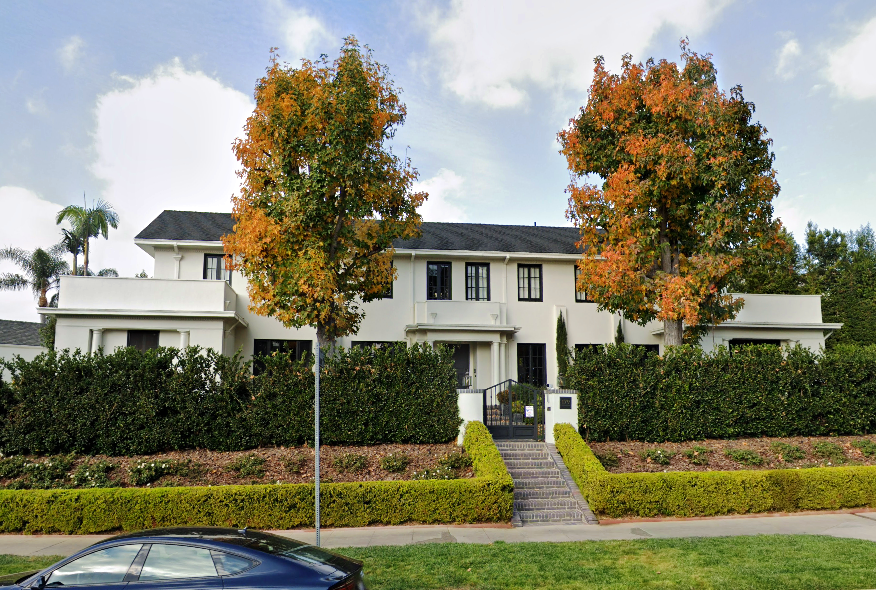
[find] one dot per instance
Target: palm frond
(13, 282)
(19, 256)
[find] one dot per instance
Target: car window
(228, 564)
(166, 562)
(106, 566)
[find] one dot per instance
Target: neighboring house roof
(20, 333)
(476, 237)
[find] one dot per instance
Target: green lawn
(780, 562)
(9, 564)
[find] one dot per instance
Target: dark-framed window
(580, 296)
(214, 268)
(531, 364)
(529, 282)
(438, 280)
(477, 281)
(388, 293)
(143, 340)
(264, 347)
(655, 348)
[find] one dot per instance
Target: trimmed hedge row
(687, 394)
(488, 497)
(711, 493)
(132, 403)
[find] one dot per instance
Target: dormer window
(214, 268)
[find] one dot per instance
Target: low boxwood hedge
(711, 493)
(488, 497)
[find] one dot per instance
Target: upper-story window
(529, 282)
(388, 293)
(214, 268)
(438, 280)
(477, 281)
(580, 296)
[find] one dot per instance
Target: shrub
(658, 456)
(94, 474)
(745, 456)
(133, 403)
(146, 472)
(488, 497)
(294, 463)
(688, 394)
(350, 463)
(248, 466)
(832, 452)
(440, 472)
(454, 460)
(395, 462)
(698, 455)
(867, 447)
(710, 493)
(788, 453)
(608, 459)
(12, 466)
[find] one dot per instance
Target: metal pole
(316, 446)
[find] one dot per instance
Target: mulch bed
(631, 455)
(214, 468)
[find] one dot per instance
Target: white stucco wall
(28, 353)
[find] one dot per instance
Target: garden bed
(733, 455)
(387, 462)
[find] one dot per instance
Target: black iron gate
(514, 410)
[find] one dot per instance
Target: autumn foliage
(687, 191)
(322, 196)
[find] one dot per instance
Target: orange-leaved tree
(687, 189)
(323, 196)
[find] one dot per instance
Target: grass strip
(762, 562)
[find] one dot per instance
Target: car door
(172, 566)
(104, 569)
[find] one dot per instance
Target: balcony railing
(132, 294)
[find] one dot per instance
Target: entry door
(461, 357)
(531, 364)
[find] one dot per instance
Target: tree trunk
(44, 301)
(75, 272)
(85, 258)
(673, 331)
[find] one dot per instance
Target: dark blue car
(196, 558)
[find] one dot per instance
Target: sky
(138, 103)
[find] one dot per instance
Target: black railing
(514, 410)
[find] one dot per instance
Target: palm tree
(42, 270)
(72, 244)
(89, 222)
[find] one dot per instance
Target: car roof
(201, 532)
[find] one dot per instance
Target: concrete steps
(541, 494)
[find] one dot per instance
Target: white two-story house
(492, 291)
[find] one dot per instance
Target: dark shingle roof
(21, 333)
(477, 237)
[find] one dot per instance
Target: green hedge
(687, 394)
(488, 497)
(131, 403)
(711, 493)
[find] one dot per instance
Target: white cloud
(445, 192)
(28, 223)
(71, 52)
(789, 56)
(164, 142)
(490, 50)
(303, 33)
(35, 105)
(793, 213)
(852, 67)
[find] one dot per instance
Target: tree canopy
(322, 195)
(42, 270)
(89, 222)
(686, 191)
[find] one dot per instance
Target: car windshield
(276, 545)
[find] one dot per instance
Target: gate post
(471, 408)
(561, 408)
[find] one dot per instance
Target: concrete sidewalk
(861, 525)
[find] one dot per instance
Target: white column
(494, 349)
(184, 338)
(503, 373)
(96, 340)
(413, 288)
